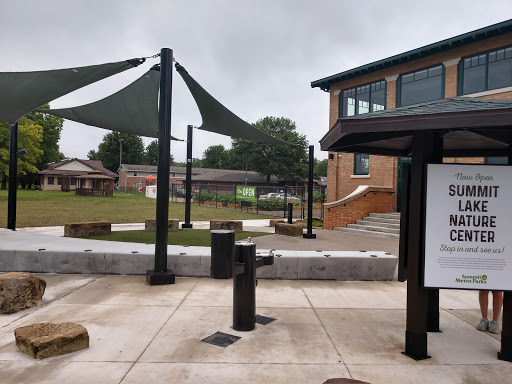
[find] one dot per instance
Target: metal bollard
(222, 253)
(290, 213)
(244, 284)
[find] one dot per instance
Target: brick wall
(383, 170)
(340, 216)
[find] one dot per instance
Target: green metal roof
(427, 50)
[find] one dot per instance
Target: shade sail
(21, 92)
(217, 118)
(133, 109)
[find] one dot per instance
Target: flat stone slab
(44, 340)
(289, 229)
(233, 225)
(92, 228)
(173, 225)
(19, 291)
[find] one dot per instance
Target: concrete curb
(27, 252)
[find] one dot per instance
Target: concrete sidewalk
(324, 329)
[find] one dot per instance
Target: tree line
(40, 133)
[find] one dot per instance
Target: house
(476, 64)
(82, 176)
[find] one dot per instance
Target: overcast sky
(256, 57)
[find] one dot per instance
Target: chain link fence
(266, 200)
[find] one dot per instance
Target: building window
(134, 185)
(134, 173)
(361, 164)
(486, 71)
(50, 180)
(73, 181)
(140, 185)
(363, 99)
(421, 86)
(496, 160)
(59, 180)
(173, 174)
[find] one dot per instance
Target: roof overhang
(475, 131)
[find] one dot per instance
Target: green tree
(281, 161)
(196, 163)
(151, 154)
(108, 150)
(52, 128)
(321, 167)
(30, 136)
(216, 157)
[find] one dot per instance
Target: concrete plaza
(324, 329)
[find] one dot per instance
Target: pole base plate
(309, 236)
(160, 278)
(186, 225)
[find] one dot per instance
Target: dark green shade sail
(133, 109)
(21, 92)
(217, 118)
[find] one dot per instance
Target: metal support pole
(290, 213)
(188, 180)
(161, 274)
(310, 234)
(13, 177)
(423, 144)
(285, 200)
(506, 327)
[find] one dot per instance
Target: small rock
(20, 290)
(47, 339)
(289, 229)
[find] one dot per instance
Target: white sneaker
(483, 325)
(494, 327)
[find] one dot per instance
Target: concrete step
(378, 224)
(374, 229)
(392, 215)
(381, 220)
(367, 233)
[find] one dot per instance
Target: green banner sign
(245, 193)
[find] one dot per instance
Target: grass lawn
(48, 208)
(194, 237)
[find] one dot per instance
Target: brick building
(475, 64)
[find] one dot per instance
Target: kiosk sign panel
(468, 231)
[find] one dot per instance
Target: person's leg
(497, 304)
(483, 299)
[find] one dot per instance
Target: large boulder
(289, 229)
(173, 225)
(19, 291)
(93, 228)
(47, 339)
(233, 225)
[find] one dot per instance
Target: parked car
(270, 196)
(288, 197)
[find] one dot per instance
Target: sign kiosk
(461, 251)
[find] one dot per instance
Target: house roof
(95, 165)
(234, 176)
(427, 50)
(469, 127)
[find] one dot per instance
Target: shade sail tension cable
(21, 92)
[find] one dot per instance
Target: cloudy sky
(257, 57)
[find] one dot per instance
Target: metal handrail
(357, 198)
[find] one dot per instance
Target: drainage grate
(221, 339)
(264, 320)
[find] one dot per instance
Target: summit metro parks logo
(476, 279)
